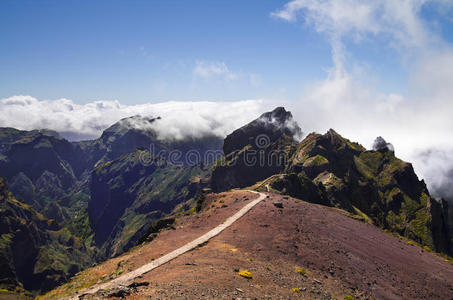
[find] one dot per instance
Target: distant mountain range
(74, 204)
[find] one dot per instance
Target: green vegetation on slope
(376, 185)
(36, 254)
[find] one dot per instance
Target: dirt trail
(129, 277)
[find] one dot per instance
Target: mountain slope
(128, 195)
(41, 168)
(321, 251)
(54, 176)
(36, 254)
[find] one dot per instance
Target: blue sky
(146, 51)
(140, 51)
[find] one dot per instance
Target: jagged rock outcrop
(256, 150)
(271, 125)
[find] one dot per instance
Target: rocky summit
(256, 150)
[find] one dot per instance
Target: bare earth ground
(341, 256)
(129, 277)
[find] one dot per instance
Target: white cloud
(432, 75)
(343, 16)
(357, 18)
(179, 119)
(209, 69)
(418, 123)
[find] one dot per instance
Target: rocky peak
(138, 132)
(271, 126)
(135, 123)
(279, 115)
(274, 134)
(381, 145)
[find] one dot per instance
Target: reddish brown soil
(341, 256)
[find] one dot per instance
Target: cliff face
(36, 253)
(256, 150)
(43, 169)
(127, 196)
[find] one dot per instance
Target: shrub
(118, 272)
(245, 274)
(296, 290)
(301, 271)
(348, 297)
(200, 201)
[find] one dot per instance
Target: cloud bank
(179, 119)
